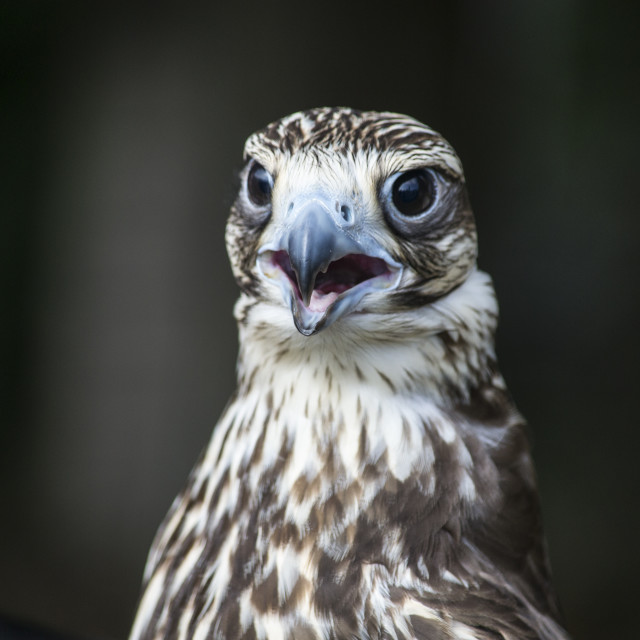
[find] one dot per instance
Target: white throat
(358, 392)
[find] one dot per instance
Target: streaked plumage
(371, 477)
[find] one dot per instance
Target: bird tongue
(321, 301)
(349, 271)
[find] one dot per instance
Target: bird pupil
(413, 192)
(409, 190)
(259, 185)
(262, 180)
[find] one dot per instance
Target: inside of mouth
(341, 275)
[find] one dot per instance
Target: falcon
(371, 477)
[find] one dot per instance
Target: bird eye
(413, 192)
(259, 185)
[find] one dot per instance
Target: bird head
(342, 212)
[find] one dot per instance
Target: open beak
(323, 266)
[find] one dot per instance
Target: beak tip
(305, 322)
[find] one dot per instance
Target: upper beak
(323, 263)
(314, 242)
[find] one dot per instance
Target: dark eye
(259, 185)
(413, 192)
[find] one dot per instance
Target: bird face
(343, 212)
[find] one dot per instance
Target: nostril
(346, 213)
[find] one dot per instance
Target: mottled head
(343, 211)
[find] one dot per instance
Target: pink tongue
(321, 301)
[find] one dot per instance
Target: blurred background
(122, 130)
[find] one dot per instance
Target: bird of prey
(371, 477)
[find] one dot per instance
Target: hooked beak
(323, 268)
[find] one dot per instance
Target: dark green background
(122, 129)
